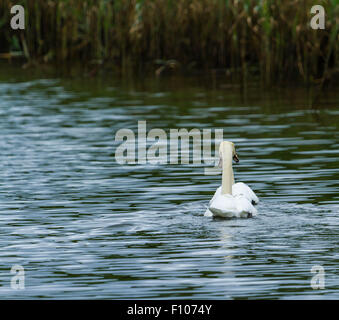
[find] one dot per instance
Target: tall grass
(268, 38)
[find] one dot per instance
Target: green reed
(271, 39)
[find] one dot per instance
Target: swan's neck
(227, 172)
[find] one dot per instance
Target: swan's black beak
(235, 158)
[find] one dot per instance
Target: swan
(231, 199)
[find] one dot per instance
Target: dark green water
(83, 226)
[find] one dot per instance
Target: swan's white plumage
(239, 189)
(229, 206)
(237, 203)
(242, 189)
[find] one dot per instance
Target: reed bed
(268, 38)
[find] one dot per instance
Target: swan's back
(239, 204)
(228, 206)
(242, 189)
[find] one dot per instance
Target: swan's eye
(235, 158)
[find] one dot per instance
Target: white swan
(231, 199)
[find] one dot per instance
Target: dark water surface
(83, 226)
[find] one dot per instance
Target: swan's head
(227, 148)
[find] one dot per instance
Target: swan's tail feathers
(255, 199)
(208, 213)
(245, 207)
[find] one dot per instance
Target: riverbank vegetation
(269, 39)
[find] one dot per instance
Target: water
(83, 226)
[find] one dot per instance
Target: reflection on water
(85, 227)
